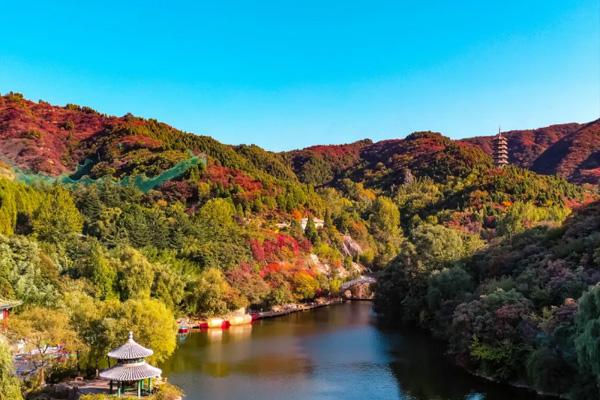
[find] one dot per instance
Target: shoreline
(298, 308)
(188, 324)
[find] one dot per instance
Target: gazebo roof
(130, 350)
(130, 372)
(6, 304)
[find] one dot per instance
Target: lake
(335, 352)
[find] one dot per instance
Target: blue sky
(288, 74)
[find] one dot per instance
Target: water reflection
(331, 353)
(240, 332)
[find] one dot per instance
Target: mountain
(575, 156)
(525, 146)
(53, 140)
(320, 164)
(42, 137)
(143, 219)
(568, 150)
(387, 163)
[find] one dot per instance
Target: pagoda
(500, 150)
(131, 370)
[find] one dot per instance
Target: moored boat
(215, 323)
(240, 319)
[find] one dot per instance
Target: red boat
(183, 330)
(203, 325)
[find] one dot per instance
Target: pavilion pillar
(139, 388)
(111, 388)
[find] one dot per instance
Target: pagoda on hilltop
(131, 371)
(500, 150)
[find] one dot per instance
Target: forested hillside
(109, 224)
(522, 309)
(568, 150)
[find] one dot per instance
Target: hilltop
(568, 150)
(54, 140)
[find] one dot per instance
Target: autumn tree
(42, 331)
(304, 285)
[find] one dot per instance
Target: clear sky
(287, 74)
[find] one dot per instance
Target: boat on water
(183, 329)
(183, 326)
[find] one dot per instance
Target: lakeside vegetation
(500, 263)
(522, 309)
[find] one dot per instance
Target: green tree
(438, 246)
(216, 217)
(587, 337)
(27, 273)
(86, 315)
(10, 386)
(57, 216)
(311, 231)
(384, 225)
(211, 295)
(103, 326)
(168, 286)
(101, 272)
(135, 274)
(152, 323)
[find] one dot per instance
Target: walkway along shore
(277, 311)
(296, 308)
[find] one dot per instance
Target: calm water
(329, 353)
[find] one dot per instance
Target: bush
(166, 391)
(32, 134)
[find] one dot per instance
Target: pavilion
(131, 369)
(5, 306)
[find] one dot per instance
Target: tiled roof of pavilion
(9, 303)
(130, 372)
(130, 350)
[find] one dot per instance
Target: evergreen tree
(311, 232)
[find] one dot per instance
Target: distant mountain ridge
(568, 150)
(54, 140)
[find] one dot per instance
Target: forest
(134, 224)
